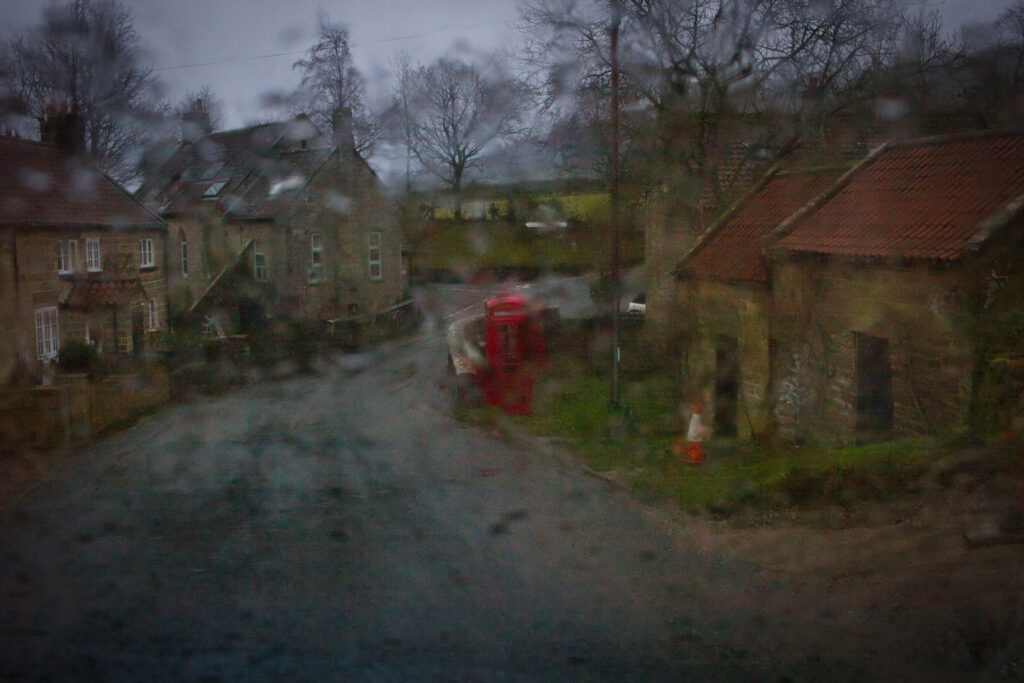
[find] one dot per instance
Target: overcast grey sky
(244, 49)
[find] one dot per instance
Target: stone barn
(724, 285)
(893, 292)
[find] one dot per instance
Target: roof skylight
(214, 189)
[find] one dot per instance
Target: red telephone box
(512, 346)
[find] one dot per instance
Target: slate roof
(251, 173)
(931, 199)
(732, 249)
(41, 185)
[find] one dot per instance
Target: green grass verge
(634, 446)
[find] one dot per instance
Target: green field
(460, 247)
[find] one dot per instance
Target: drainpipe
(16, 277)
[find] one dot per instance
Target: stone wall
(669, 233)
(117, 399)
(737, 311)
(75, 408)
(921, 310)
(31, 282)
(38, 418)
(345, 206)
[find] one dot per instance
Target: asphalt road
(345, 526)
(341, 527)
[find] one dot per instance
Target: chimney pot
(195, 123)
(342, 122)
(62, 127)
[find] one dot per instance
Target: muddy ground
(344, 526)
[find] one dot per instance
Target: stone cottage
(892, 291)
(724, 285)
(80, 258)
(276, 221)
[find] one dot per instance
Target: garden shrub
(78, 356)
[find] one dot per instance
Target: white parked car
(638, 306)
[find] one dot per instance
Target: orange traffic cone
(695, 438)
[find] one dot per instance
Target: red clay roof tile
(922, 199)
(733, 250)
(93, 294)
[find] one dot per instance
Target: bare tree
(923, 76)
(331, 83)
(992, 70)
(457, 113)
(401, 109)
(86, 54)
(697, 67)
(567, 52)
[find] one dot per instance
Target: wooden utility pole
(613, 192)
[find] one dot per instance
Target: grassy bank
(633, 446)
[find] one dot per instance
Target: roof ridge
(813, 170)
(789, 224)
(879, 211)
(242, 129)
(955, 137)
(728, 214)
(127, 195)
(996, 222)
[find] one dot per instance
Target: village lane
(345, 526)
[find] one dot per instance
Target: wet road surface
(345, 526)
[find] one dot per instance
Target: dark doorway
(138, 332)
(874, 389)
(252, 316)
(727, 385)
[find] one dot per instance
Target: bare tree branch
(457, 112)
(86, 54)
(330, 83)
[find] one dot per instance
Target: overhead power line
(229, 60)
(292, 53)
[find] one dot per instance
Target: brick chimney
(62, 128)
(195, 122)
(342, 123)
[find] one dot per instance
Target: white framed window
(47, 333)
(183, 241)
(316, 258)
(373, 258)
(146, 252)
(259, 266)
(152, 315)
(93, 258)
(67, 256)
